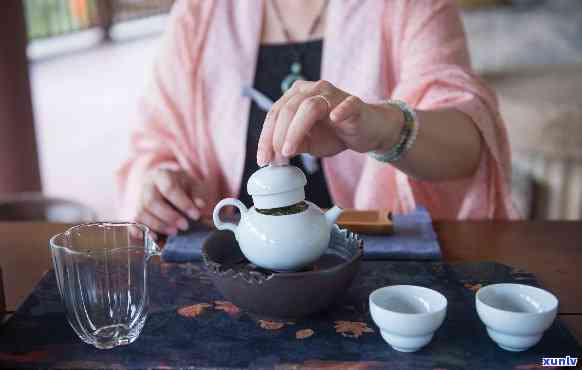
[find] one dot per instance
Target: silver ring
(329, 106)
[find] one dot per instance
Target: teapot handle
(221, 225)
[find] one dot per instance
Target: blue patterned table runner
(191, 326)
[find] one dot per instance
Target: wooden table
(550, 250)
(24, 257)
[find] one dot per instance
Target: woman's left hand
(322, 120)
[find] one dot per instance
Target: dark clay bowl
(282, 295)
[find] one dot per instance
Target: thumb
(199, 192)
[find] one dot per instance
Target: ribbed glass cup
(101, 272)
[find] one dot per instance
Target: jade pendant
(292, 77)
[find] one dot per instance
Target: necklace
(296, 66)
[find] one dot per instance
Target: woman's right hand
(168, 197)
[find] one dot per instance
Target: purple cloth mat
(413, 239)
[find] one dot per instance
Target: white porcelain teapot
(282, 231)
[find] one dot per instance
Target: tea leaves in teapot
(283, 211)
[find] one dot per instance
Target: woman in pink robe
(189, 151)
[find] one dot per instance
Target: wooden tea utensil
(367, 222)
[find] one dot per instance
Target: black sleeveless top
(273, 63)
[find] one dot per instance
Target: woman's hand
(169, 196)
(322, 120)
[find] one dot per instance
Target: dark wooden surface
(24, 257)
(550, 250)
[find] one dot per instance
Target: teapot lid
(276, 186)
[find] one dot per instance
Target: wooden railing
(50, 18)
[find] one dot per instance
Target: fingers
(349, 108)
(200, 203)
(172, 186)
(168, 214)
(311, 110)
(155, 223)
(136, 233)
(198, 193)
(284, 119)
(168, 198)
(265, 152)
(289, 126)
(265, 146)
(346, 117)
(154, 204)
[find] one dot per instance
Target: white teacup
(407, 315)
(516, 315)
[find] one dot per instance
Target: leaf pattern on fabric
(43, 312)
(304, 333)
(335, 365)
(227, 307)
(352, 329)
(473, 287)
(271, 325)
(194, 310)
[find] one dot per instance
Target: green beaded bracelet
(408, 135)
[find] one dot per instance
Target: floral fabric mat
(190, 325)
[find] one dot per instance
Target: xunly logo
(560, 361)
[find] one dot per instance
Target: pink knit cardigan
(194, 117)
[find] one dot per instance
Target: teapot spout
(332, 215)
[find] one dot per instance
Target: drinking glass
(101, 271)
